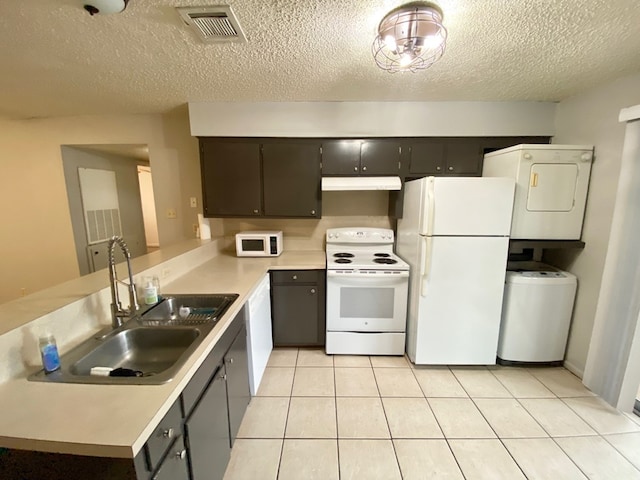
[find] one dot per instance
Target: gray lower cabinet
(298, 307)
(238, 395)
(193, 440)
(174, 465)
(207, 429)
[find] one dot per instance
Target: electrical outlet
(171, 213)
(193, 202)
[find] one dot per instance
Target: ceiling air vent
(213, 24)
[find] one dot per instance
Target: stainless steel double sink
(148, 349)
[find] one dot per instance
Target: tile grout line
(536, 420)
(284, 433)
(455, 459)
(491, 426)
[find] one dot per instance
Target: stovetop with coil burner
(362, 249)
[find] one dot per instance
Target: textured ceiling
(58, 60)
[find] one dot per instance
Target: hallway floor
(357, 417)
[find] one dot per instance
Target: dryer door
(552, 187)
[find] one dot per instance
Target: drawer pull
(313, 290)
(294, 277)
(230, 361)
(168, 433)
(181, 455)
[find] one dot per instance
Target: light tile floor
(358, 417)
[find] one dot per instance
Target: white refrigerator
(454, 233)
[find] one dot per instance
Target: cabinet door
(426, 158)
(296, 319)
(341, 157)
(231, 183)
(380, 157)
(238, 395)
(464, 157)
(291, 179)
(174, 465)
(207, 431)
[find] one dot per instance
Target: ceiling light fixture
(410, 38)
(105, 6)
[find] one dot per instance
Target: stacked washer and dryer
(550, 198)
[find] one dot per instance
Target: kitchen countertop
(116, 420)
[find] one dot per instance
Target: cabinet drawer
(167, 430)
(295, 276)
(174, 466)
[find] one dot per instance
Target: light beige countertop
(116, 420)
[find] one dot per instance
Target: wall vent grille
(213, 24)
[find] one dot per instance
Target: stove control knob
(337, 235)
(331, 235)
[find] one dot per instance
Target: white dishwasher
(259, 337)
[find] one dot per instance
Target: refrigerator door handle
(425, 226)
(426, 264)
(431, 196)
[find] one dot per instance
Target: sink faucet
(118, 314)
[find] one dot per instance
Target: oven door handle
(357, 279)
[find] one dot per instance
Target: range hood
(360, 183)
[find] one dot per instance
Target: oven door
(367, 302)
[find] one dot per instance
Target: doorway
(112, 201)
(148, 207)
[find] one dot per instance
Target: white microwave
(259, 244)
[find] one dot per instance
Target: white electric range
(367, 288)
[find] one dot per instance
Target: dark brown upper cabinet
(260, 178)
(461, 157)
(360, 157)
(456, 156)
(291, 179)
(231, 178)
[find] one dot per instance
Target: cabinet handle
(168, 433)
(255, 211)
(313, 212)
(364, 169)
(313, 290)
(222, 377)
(355, 169)
(438, 168)
(534, 179)
(450, 169)
(181, 455)
(294, 277)
(230, 361)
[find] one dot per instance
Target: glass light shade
(410, 38)
(105, 6)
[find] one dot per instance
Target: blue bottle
(49, 354)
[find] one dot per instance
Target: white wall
(592, 118)
(371, 119)
(36, 240)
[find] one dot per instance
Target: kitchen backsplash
(339, 209)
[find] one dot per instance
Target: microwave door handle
(425, 267)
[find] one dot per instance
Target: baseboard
(578, 372)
